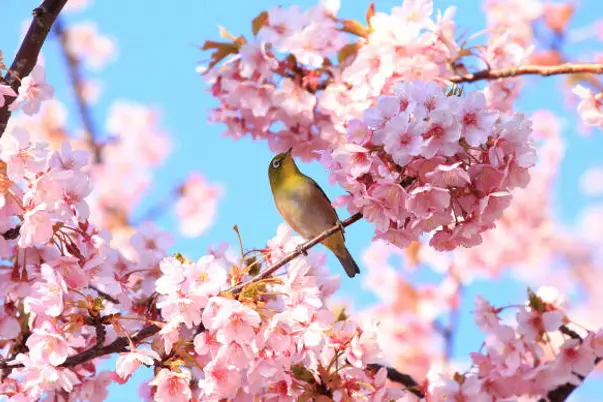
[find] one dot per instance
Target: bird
(306, 208)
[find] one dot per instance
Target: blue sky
(157, 54)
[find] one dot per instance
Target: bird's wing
(327, 198)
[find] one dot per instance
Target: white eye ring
(276, 164)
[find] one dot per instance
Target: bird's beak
(288, 153)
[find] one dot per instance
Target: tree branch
(117, 346)
(77, 84)
(562, 392)
(300, 250)
(545, 71)
(27, 56)
(401, 378)
(12, 234)
(121, 343)
(104, 295)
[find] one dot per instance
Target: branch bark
(562, 392)
(401, 378)
(27, 55)
(300, 250)
(122, 343)
(545, 71)
(77, 84)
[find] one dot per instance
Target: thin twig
(121, 344)
(564, 329)
(27, 56)
(104, 295)
(77, 84)
(545, 71)
(300, 250)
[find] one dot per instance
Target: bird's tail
(348, 263)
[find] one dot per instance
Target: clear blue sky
(157, 44)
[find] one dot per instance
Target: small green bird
(306, 207)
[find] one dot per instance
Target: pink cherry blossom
(282, 24)
(86, 44)
(37, 226)
(47, 345)
(21, 155)
(235, 321)
(220, 380)
(32, 92)
(172, 385)
(476, 119)
(533, 324)
(486, 315)
(41, 377)
(255, 60)
(589, 107)
(575, 357)
(127, 363)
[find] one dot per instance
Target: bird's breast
(305, 209)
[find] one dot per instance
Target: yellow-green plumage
(306, 208)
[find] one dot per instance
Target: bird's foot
(341, 227)
(299, 249)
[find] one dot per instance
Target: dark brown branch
(27, 56)
(401, 378)
(121, 343)
(104, 295)
(545, 71)
(117, 346)
(564, 329)
(562, 392)
(77, 84)
(12, 234)
(300, 250)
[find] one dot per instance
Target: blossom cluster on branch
(81, 279)
(422, 161)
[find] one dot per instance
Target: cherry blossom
(172, 385)
(32, 92)
(455, 182)
(129, 362)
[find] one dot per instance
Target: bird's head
(281, 167)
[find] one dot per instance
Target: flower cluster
(525, 235)
(422, 161)
(274, 339)
(56, 257)
(283, 86)
(517, 360)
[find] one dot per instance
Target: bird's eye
(276, 163)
